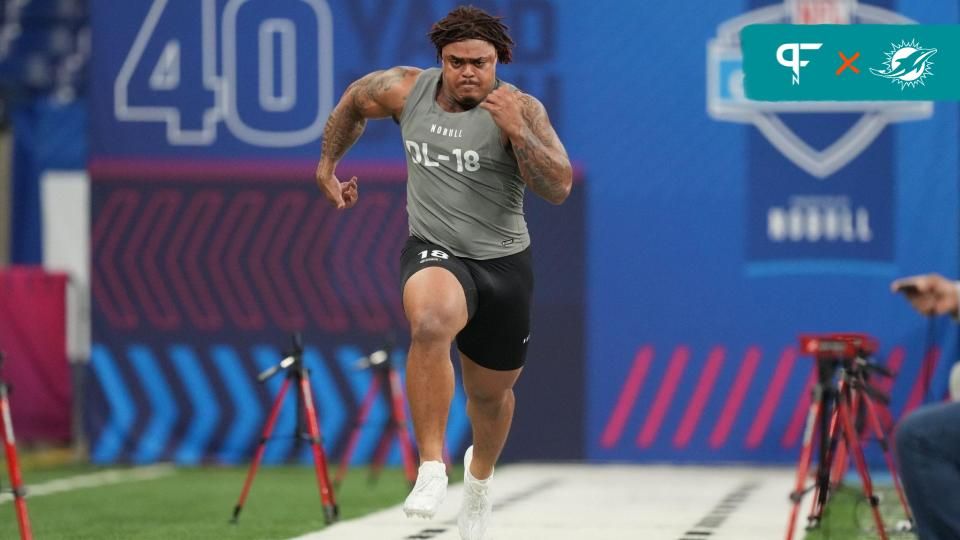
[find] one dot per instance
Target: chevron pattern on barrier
(201, 267)
(669, 408)
(248, 259)
(137, 412)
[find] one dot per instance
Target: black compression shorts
(498, 293)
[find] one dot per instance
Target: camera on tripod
(307, 428)
(385, 385)
(840, 408)
(838, 346)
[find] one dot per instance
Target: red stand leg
(834, 446)
(853, 442)
(365, 408)
(874, 420)
(330, 510)
(13, 465)
(803, 466)
(400, 424)
(258, 455)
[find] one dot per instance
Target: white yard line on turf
(93, 480)
(606, 502)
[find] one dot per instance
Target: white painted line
(93, 480)
(605, 502)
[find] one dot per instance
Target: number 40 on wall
(262, 67)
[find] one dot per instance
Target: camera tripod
(297, 373)
(836, 412)
(386, 384)
(13, 465)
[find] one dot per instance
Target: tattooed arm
(543, 161)
(378, 95)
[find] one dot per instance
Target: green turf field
(848, 516)
(193, 503)
(197, 502)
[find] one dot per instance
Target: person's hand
(930, 294)
(341, 195)
(506, 109)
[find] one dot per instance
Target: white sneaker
(475, 511)
(429, 491)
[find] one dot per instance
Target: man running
(473, 144)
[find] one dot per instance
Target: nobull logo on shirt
(446, 132)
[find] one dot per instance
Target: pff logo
(794, 62)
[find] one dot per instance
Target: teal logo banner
(864, 62)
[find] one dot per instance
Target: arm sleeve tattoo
(542, 159)
(364, 98)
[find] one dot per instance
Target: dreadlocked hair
(468, 22)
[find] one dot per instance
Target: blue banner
(257, 78)
(721, 228)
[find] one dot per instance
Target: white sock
(474, 480)
(434, 465)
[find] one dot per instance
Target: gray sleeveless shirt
(464, 190)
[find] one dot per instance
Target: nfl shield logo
(726, 100)
(820, 11)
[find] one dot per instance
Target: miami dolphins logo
(907, 64)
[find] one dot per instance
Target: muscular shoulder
(536, 117)
(532, 107)
(383, 93)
